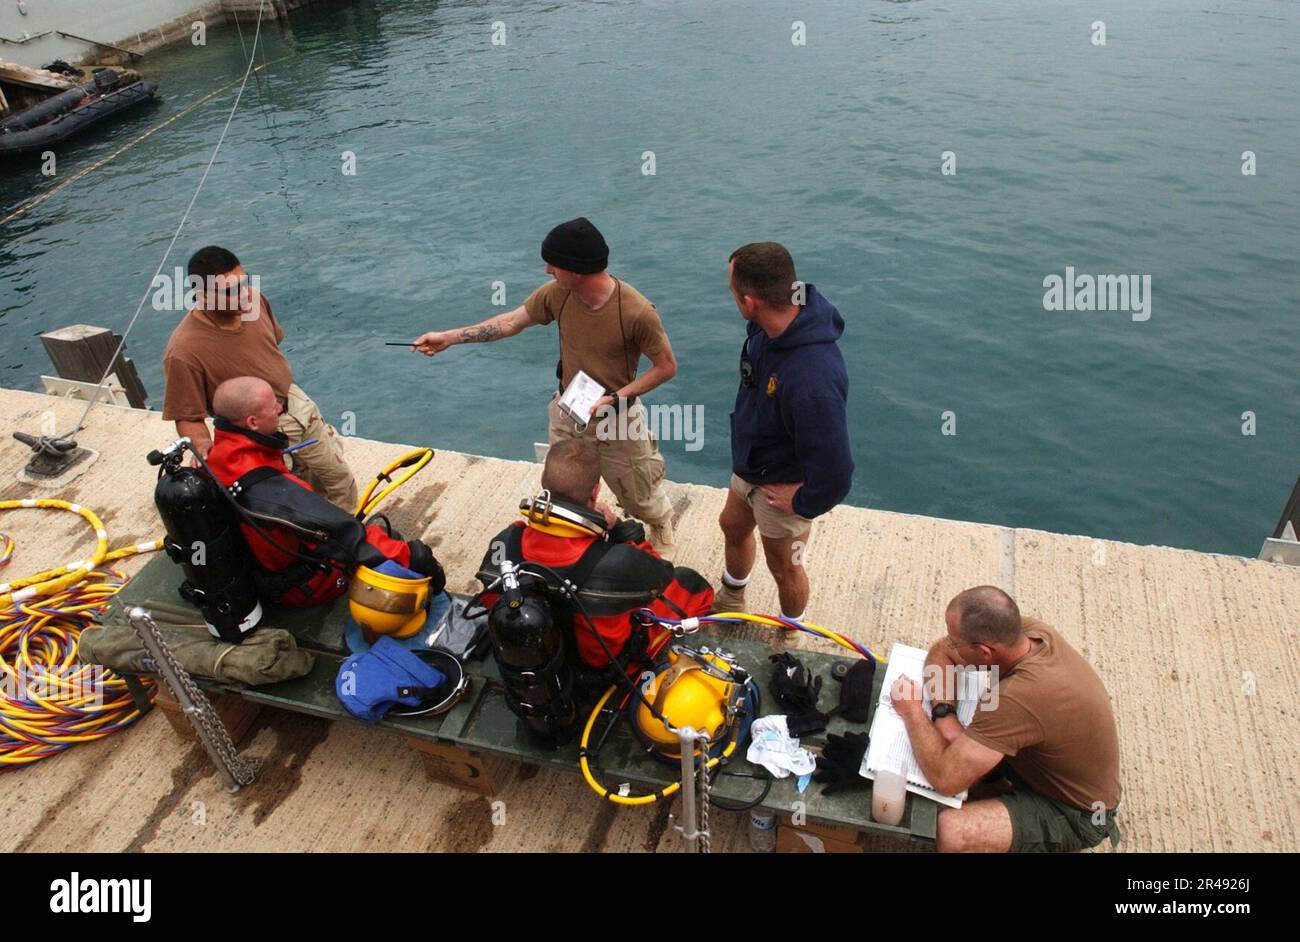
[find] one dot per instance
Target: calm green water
(1117, 159)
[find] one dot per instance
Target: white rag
(772, 747)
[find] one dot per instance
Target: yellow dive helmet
(702, 689)
(561, 518)
(387, 605)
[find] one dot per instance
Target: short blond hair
(572, 470)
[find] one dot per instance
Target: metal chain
(197, 706)
(706, 783)
(241, 771)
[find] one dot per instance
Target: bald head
(248, 402)
(572, 471)
(986, 615)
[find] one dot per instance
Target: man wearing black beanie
(605, 327)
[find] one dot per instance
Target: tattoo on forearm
(480, 334)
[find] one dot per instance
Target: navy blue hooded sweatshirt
(791, 424)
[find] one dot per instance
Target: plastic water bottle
(888, 796)
(762, 830)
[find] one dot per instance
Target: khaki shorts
(321, 465)
(771, 523)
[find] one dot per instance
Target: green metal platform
(483, 722)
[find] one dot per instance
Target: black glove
(796, 691)
(840, 760)
(627, 531)
(855, 691)
(803, 724)
(792, 684)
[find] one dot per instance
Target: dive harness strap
(544, 679)
(275, 584)
(576, 575)
(256, 476)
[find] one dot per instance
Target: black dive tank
(203, 537)
(529, 650)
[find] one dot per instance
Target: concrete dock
(116, 30)
(1199, 652)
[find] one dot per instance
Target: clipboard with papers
(890, 747)
(580, 398)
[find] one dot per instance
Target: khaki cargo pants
(321, 465)
(632, 466)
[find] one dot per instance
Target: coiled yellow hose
(49, 700)
(608, 794)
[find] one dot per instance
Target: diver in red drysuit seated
(247, 457)
(616, 570)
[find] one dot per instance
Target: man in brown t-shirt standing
(1048, 725)
(605, 327)
(232, 332)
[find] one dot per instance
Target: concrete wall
(139, 25)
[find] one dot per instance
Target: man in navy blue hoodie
(789, 432)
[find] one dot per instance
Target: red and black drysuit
(251, 466)
(616, 576)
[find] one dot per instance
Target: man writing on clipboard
(605, 327)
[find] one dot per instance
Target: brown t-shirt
(595, 341)
(199, 357)
(1054, 724)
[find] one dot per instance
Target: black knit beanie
(576, 246)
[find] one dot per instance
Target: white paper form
(890, 747)
(581, 397)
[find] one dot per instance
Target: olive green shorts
(1041, 825)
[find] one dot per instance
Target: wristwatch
(941, 710)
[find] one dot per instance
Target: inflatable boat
(67, 113)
